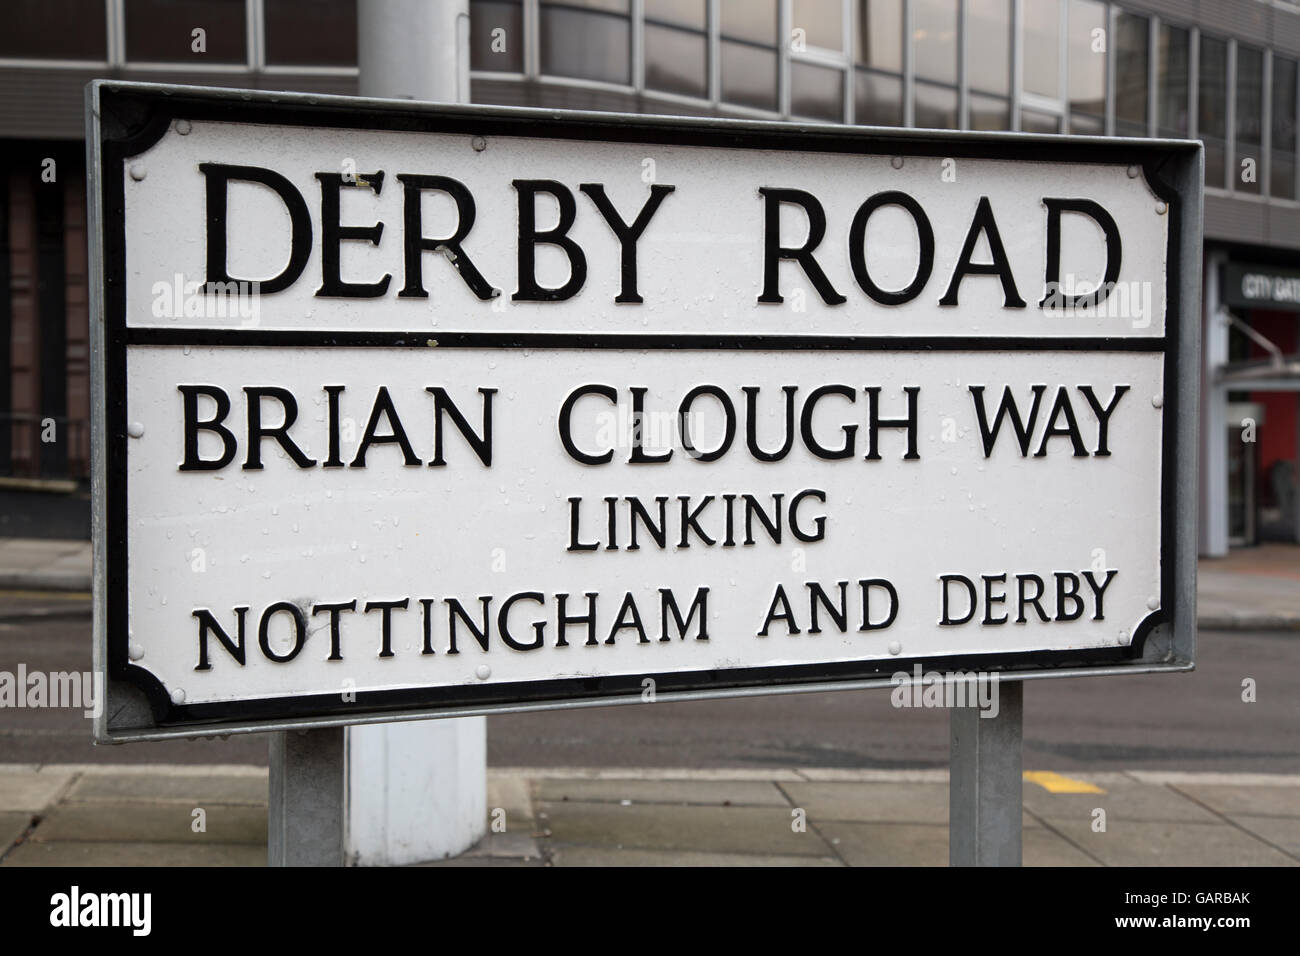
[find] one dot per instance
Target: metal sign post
(985, 782)
(305, 822)
(408, 410)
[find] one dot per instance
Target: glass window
(989, 112)
(817, 92)
(677, 47)
(878, 99)
(1041, 35)
(317, 32)
(1172, 81)
(1212, 107)
(163, 31)
(692, 14)
(587, 40)
(879, 43)
(749, 76)
(1282, 179)
(38, 29)
(988, 48)
(1132, 55)
(1246, 168)
(1033, 121)
(752, 20)
(676, 61)
(1086, 51)
(496, 35)
(936, 107)
(748, 53)
(934, 40)
(821, 21)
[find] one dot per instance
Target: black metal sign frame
(124, 119)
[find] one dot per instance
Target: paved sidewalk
(1253, 588)
(44, 564)
(150, 815)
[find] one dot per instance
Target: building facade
(1222, 71)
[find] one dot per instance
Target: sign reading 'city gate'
(417, 410)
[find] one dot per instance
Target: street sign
(411, 410)
(1261, 287)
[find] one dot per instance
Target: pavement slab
(517, 844)
(99, 853)
(1261, 800)
(191, 789)
(565, 854)
(759, 830)
(25, 788)
(1123, 800)
(1282, 832)
(513, 794)
(715, 793)
(153, 823)
(12, 826)
(888, 844)
(1043, 846)
(872, 802)
(1164, 843)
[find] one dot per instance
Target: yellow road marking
(1056, 783)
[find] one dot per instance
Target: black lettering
(208, 624)
(217, 177)
(1000, 266)
(190, 404)
(857, 248)
(627, 234)
(333, 234)
(257, 432)
(774, 252)
(415, 244)
(530, 238)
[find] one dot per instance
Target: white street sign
(413, 410)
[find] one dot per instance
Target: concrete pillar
(416, 790)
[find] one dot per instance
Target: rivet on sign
(1123, 634)
(1153, 603)
(1158, 401)
(178, 696)
(183, 127)
(1162, 207)
(134, 651)
(1133, 172)
(896, 162)
(483, 672)
(479, 144)
(138, 172)
(135, 429)
(895, 648)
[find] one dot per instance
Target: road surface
(1194, 721)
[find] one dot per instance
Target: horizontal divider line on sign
(617, 340)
